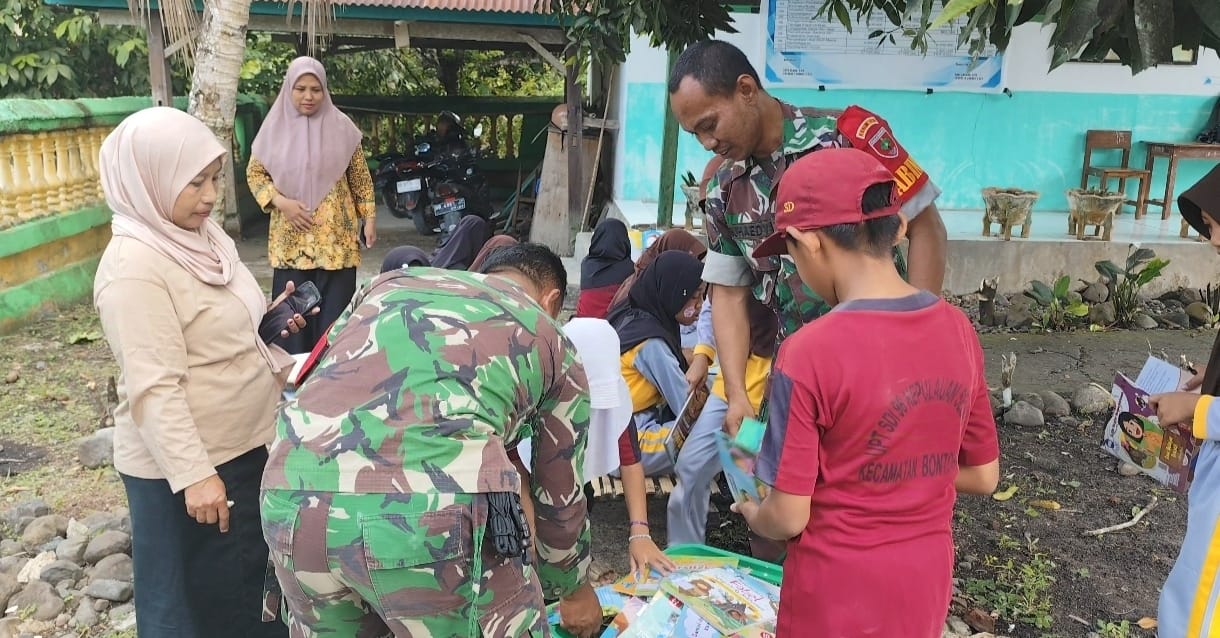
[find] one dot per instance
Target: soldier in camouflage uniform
(717, 96)
(376, 498)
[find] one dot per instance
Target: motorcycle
(401, 179)
(457, 189)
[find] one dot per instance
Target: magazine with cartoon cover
(738, 467)
(1166, 452)
(630, 586)
(686, 421)
(726, 598)
(658, 619)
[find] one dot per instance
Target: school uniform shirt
(758, 368)
(658, 389)
(330, 245)
(1190, 599)
(872, 409)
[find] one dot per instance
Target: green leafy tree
(52, 52)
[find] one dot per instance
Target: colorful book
(645, 588)
(1164, 451)
(726, 598)
(658, 619)
(738, 467)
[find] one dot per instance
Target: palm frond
(316, 21)
(179, 19)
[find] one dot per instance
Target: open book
(1164, 451)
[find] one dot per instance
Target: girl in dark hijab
(674, 239)
(665, 297)
(464, 243)
(404, 257)
(499, 241)
(604, 269)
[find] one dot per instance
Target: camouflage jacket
(430, 376)
(740, 211)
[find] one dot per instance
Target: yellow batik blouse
(332, 243)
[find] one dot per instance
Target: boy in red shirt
(878, 417)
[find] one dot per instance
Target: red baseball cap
(825, 188)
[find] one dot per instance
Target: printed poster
(801, 51)
(1164, 451)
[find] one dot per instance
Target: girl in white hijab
(197, 386)
(307, 170)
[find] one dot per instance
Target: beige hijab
(305, 156)
(146, 162)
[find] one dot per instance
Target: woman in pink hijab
(307, 170)
(197, 385)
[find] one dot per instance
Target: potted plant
(1092, 207)
(1007, 207)
(690, 188)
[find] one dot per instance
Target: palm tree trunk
(219, 52)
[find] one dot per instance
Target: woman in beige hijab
(307, 170)
(197, 386)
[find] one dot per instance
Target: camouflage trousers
(402, 565)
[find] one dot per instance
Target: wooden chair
(1103, 140)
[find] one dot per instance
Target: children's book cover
(630, 586)
(738, 466)
(1166, 452)
(658, 619)
(727, 599)
(625, 617)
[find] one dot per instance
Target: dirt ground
(1030, 565)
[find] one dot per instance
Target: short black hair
(715, 65)
(875, 236)
(537, 262)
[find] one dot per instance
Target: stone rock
(26, 510)
(86, 616)
(1176, 318)
(1074, 297)
(107, 543)
(112, 590)
(1200, 314)
(8, 587)
(1128, 469)
(65, 589)
(958, 626)
(1144, 322)
(101, 605)
(72, 549)
(50, 545)
(1019, 317)
(9, 547)
(114, 567)
(97, 449)
(1096, 292)
(117, 521)
(1185, 296)
(1032, 399)
(43, 529)
(32, 569)
(41, 597)
(1024, 414)
(60, 571)
(1053, 404)
(1069, 421)
(980, 620)
(1001, 318)
(1092, 399)
(1103, 314)
(997, 404)
(77, 529)
(120, 612)
(61, 620)
(12, 565)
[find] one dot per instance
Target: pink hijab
(305, 156)
(143, 170)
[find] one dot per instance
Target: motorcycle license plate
(410, 185)
(450, 206)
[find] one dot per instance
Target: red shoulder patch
(869, 132)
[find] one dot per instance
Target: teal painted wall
(966, 141)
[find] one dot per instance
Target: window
(1180, 57)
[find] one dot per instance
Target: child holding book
(1190, 599)
(878, 417)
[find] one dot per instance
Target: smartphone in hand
(304, 298)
